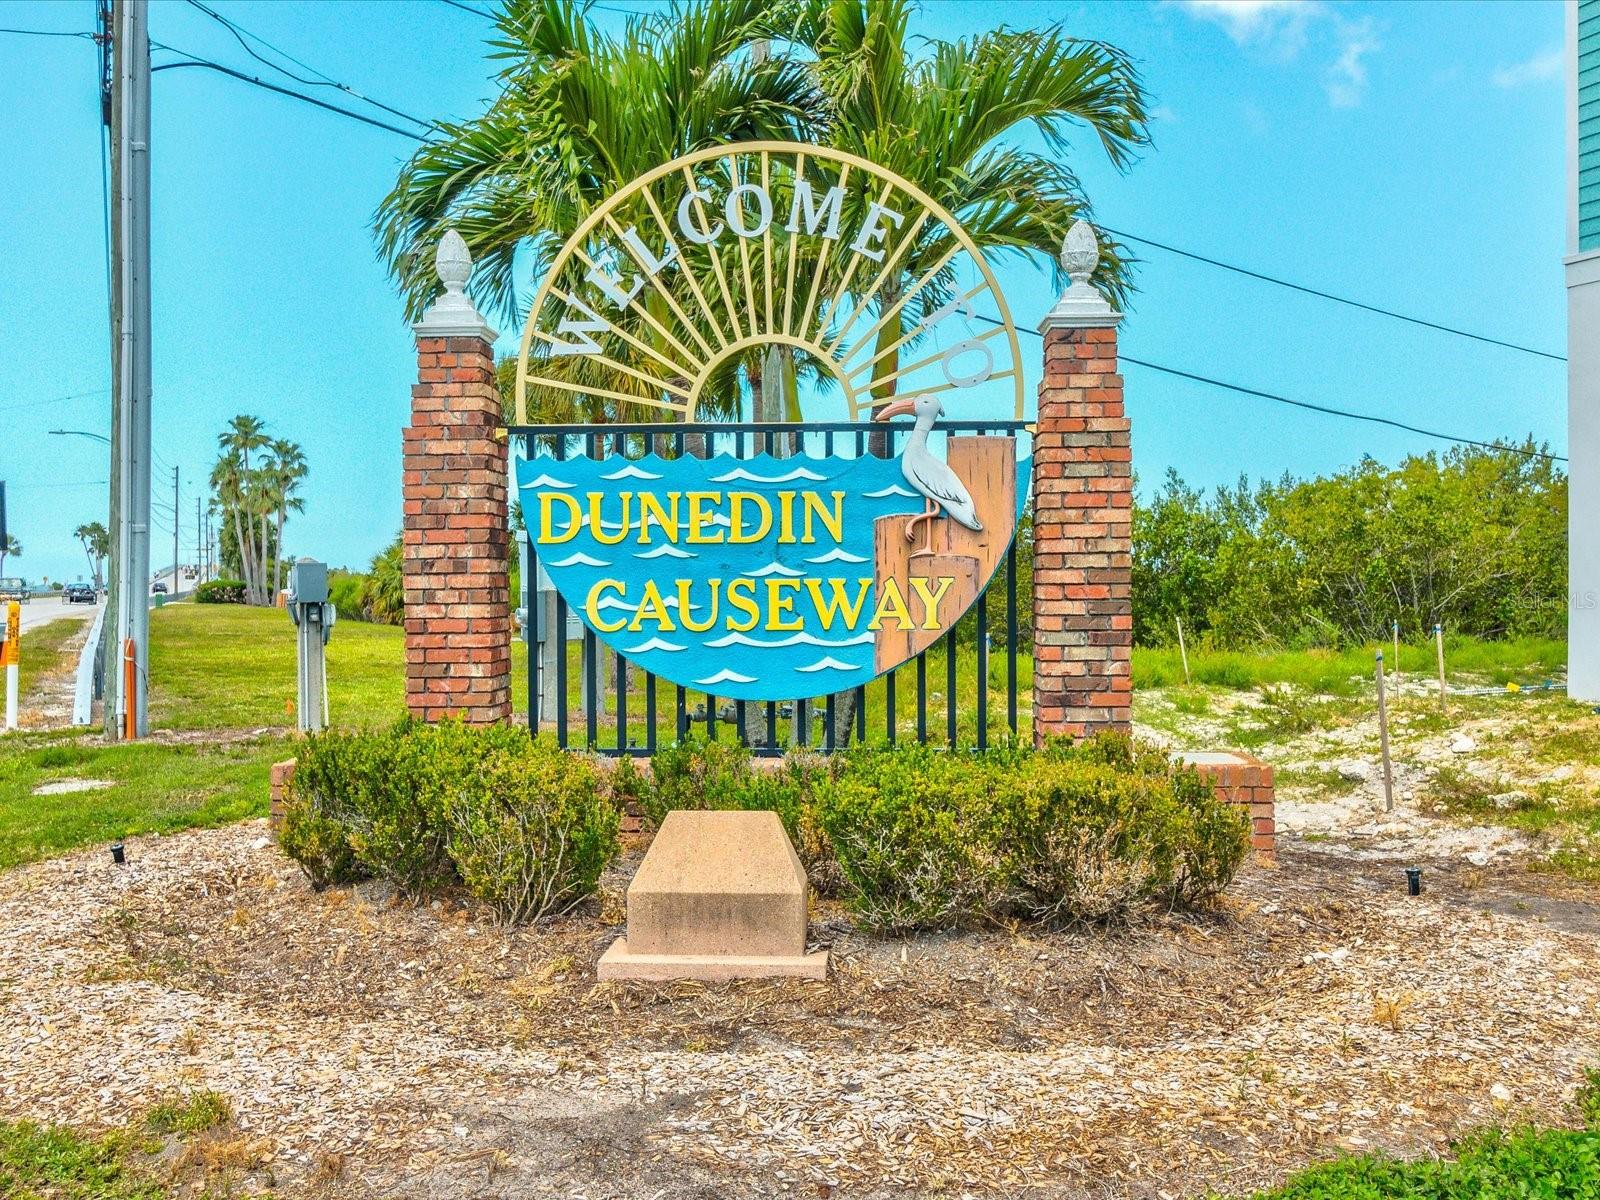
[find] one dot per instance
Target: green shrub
(928, 839)
(530, 829)
(1587, 1100)
(220, 591)
(1551, 1164)
(525, 826)
(694, 773)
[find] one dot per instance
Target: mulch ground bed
(372, 1047)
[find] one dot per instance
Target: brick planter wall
(1082, 538)
(278, 792)
(1243, 780)
(458, 611)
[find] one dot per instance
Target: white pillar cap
(453, 314)
(1080, 306)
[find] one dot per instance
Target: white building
(1583, 348)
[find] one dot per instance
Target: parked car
(78, 593)
(14, 588)
(158, 589)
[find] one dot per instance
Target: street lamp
(99, 437)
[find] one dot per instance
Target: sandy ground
(374, 1048)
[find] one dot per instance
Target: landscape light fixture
(118, 855)
(1413, 881)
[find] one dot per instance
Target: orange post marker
(130, 679)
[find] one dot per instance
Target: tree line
(255, 485)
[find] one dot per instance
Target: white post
(1182, 649)
(1438, 640)
(1383, 741)
(9, 653)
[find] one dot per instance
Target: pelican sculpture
(940, 487)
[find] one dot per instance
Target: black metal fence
(636, 717)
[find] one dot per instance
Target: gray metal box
(308, 581)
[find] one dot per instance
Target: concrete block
(720, 895)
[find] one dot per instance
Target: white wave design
(665, 550)
(718, 519)
(546, 481)
(894, 489)
(579, 559)
(776, 568)
(630, 472)
(837, 555)
(798, 639)
(828, 664)
(739, 473)
(612, 604)
(654, 643)
(725, 676)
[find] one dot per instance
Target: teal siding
(1588, 124)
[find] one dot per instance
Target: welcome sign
(772, 578)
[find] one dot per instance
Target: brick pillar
(458, 609)
(1082, 515)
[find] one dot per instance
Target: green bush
(530, 830)
(525, 826)
(220, 591)
(1587, 1100)
(1550, 1164)
(928, 839)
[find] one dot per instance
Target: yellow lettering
(736, 503)
(786, 517)
(832, 519)
(684, 617)
(780, 605)
(574, 518)
(931, 598)
(652, 608)
(699, 518)
(745, 603)
(591, 606)
(651, 511)
(838, 605)
(891, 602)
(596, 527)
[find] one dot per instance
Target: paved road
(41, 610)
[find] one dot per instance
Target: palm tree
(96, 544)
(579, 116)
(936, 118)
(286, 468)
(238, 487)
(9, 546)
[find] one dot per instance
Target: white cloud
(1286, 29)
(1538, 69)
(1346, 79)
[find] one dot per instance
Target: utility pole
(199, 546)
(177, 524)
(130, 118)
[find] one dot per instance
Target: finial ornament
(453, 314)
(1081, 305)
(453, 261)
(1080, 252)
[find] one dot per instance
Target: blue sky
(1410, 155)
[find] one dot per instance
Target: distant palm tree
(96, 544)
(285, 470)
(9, 546)
(241, 488)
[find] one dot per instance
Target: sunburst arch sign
(772, 577)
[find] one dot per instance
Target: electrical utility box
(313, 615)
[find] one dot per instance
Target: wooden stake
(1395, 625)
(1438, 638)
(1383, 741)
(1182, 650)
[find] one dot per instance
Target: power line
(1309, 405)
(240, 33)
(195, 61)
(55, 400)
(1311, 291)
(48, 33)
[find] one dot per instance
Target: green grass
(42, 652)
(156, 788)
(1347, 672)
(1571, 820)
(40, 1163)
(189, 1114)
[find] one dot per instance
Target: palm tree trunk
(278, 548)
